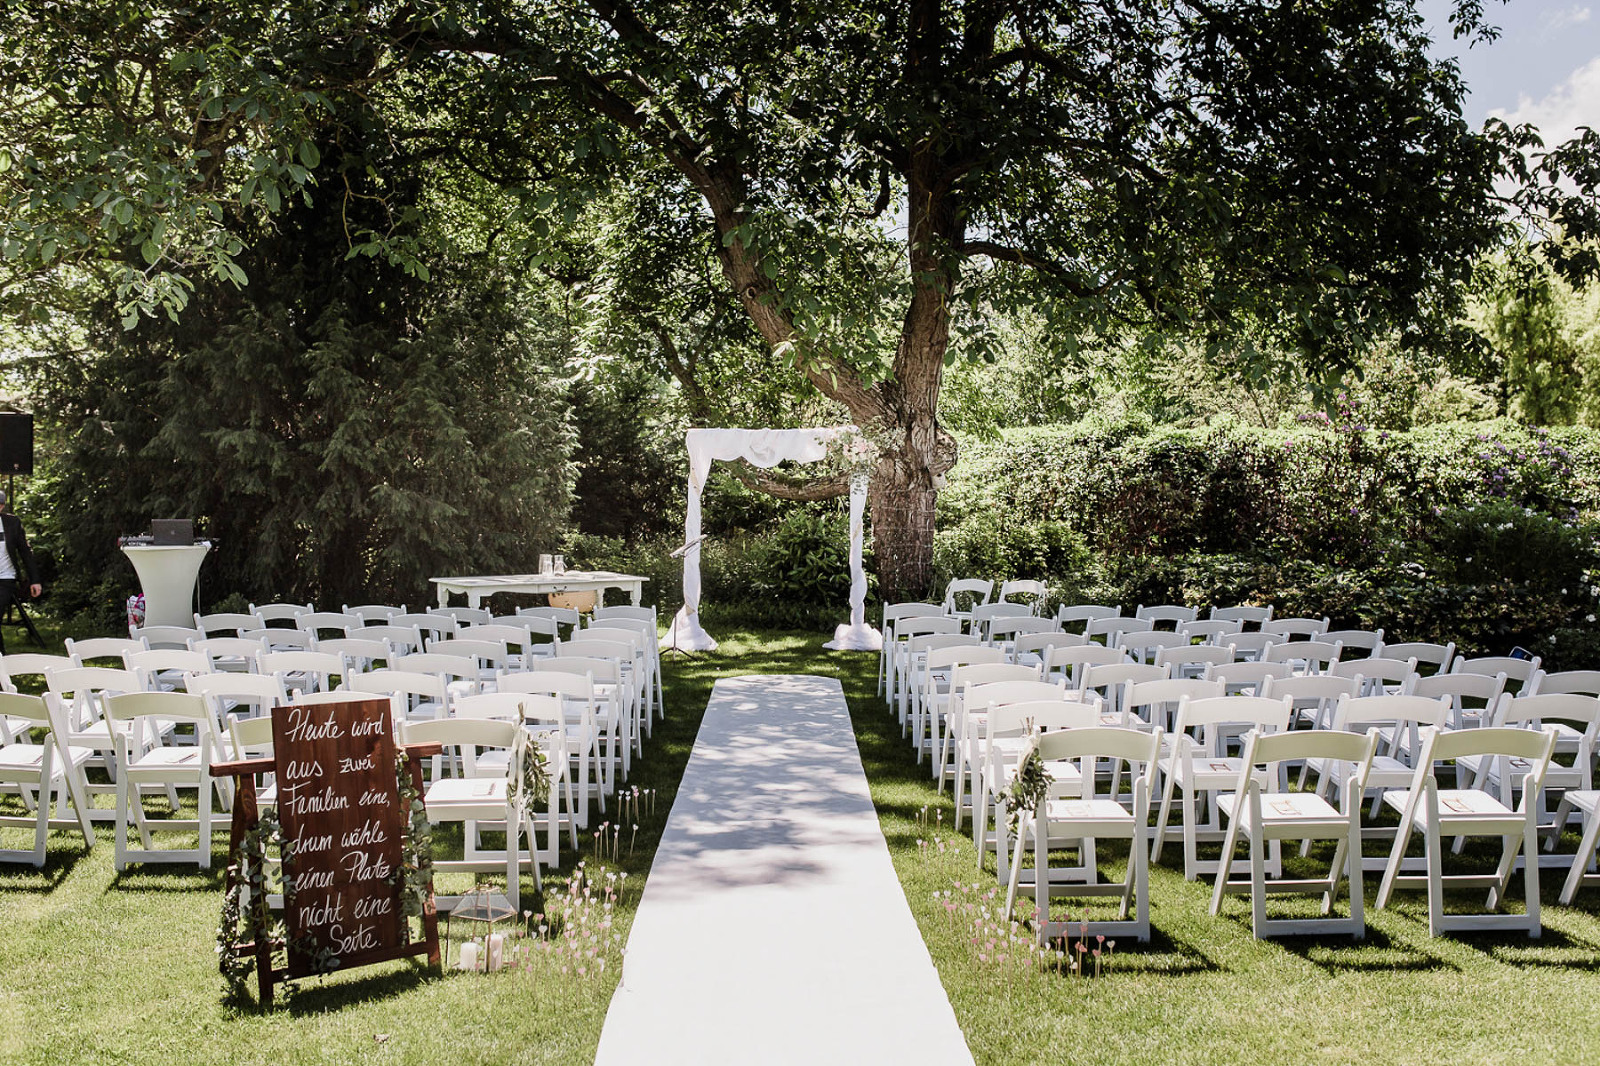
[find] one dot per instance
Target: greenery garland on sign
(415, 875)
(1029, 788)
(246, 919)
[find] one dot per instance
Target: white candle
(497, 955)
(468, 959)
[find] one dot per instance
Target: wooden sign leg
(430, 913)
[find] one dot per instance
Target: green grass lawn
(100, 968)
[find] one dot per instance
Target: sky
(1544, 68)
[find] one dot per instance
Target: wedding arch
(766, 448)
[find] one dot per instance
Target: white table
(476, 588)
(167, 574)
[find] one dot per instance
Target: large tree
(872, 178)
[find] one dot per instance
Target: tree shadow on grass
(140, 877)
(1553, 949)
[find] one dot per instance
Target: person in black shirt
(16, 565)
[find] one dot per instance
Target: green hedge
(1481, 533)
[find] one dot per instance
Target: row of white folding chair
(1267, 815)
(47, 773)
(648, 625)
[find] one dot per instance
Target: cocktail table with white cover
(477, 588)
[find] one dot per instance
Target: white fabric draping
(856, 635)
(764, 448)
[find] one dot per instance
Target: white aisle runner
(773, 928)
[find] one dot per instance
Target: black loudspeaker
(16, 444)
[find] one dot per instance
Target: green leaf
(309, 155)
(151, 251)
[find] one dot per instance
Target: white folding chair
(1083, 818)
(1472, 696)
(229, 653)
(1362, 642)
(1242, 614)
(1438, 656)
(268, 613)
(1199, 764)
(931, 702)
(225, 623)
(590, 739)
(1212, 631)
(1263, 816)
(49, 775)
(416, 696)
(91, 652)
(332, 622)
(1191, 660)
(303, 671)
(165, 636)
(1009, 723)
(163, 669)
(893, 613)
(1461, 812)
(475, 799)
(1038, 593)
(143, 761)
(368, 614)
(1296, 628)
(963, 594)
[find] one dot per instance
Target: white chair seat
(1096, 817)
(467, 790)
(1460, 807)
(1302, 809)
(31, 756)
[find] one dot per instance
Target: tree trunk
(902, 499)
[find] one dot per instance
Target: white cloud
(1555, 21)
(1573, 103)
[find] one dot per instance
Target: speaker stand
(26, 623)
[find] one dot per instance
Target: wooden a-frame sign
(339, 804)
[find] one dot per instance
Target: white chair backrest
(317, 670)
(1305, 628)
(894, 612)
(1175, 613)
(922, 645)
(427, 662)
(1369, 641)
(1358, 712)
(251, 738)
(401, 638)
(435, 624)
(963, 655)
(638, 614)
(1382, 668)
(1140, 697)
(1439, 656)
(1085, 612)
(1241, 614)
(221, 649)
(29, 664)
(1014, 625)
(1109, 627)
(491, 653)
(1259, 711)
(964, 679)
(1210, 632)
(160, 660)
(82, 652)
(1073, 658)
(391, 682)
(318, 622)
(225, 623)
(1000, 693)
(987, 611)
(1038, 643)
(166, 636)
(278, 638)
(963, 594)
(1247, 675)
(562, 683)
(1037, 591)
(357, 653)
(926, 625)
(373, 613)
(1586, 682)
(464, 616)
(261, 691)
(506, 706)
(1515, 669)
(1194, 655)
(1014, 719)
(1309, 688)
(1316, 655)
(267, 613)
